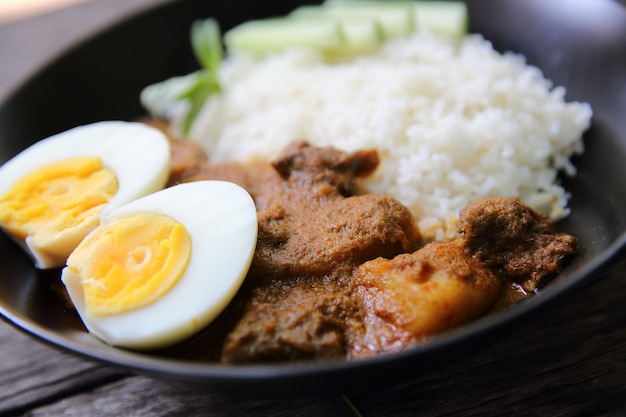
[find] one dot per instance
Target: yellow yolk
(129, 263)
(58, 203)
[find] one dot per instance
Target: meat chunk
(306, 164)
(307, 238)
(293, 320)
(186, 156)
(515, 241)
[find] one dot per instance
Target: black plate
(577, 43)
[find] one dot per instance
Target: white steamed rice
(452, 121)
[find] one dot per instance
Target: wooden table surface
(569, 361)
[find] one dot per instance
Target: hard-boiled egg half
(161, 268)
(52, 193)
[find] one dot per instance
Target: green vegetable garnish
(185, 95)
(207, 46)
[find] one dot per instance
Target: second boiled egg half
(52, 193)
(161, 268)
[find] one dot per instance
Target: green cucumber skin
(396, 17)
(443, 17)
(274, 34)
(361, 34)
(348, 26)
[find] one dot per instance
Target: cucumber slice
(274, 34)
(444, 17)
(362, 34)
(396, 17)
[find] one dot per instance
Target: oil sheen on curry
(337, 274)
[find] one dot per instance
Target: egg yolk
(58, 204)
(131, 262)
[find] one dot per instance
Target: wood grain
(32, 374)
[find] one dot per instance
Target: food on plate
(160, 268)
(429, 121)
(346, 181)
(52, 193)
(337, 274)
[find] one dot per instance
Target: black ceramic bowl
(580, 44)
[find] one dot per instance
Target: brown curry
(337, 274)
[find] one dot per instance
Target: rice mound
(453, 121)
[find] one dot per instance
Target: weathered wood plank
(144, 397)
(32, 373)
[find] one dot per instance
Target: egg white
(221, 220)
(138, 155)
